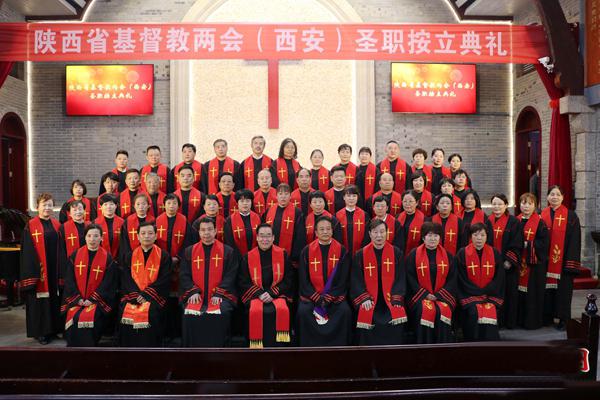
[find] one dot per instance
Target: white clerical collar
(354, 209)
(257, 158)
(325, 244)
(244, 214)
(384, 218)
(338, 190)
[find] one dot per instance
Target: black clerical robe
(240, 231)
(324, 317)
(288, 228)
(191, 203)
(247, 173)
(367, 180)
(129, 235)
(300, 200)
(90, 210)
(39, 277)
(354, 226)
(164, 173)
(212, 170)
(335, 200)
(431, 273)
(111, 234)
(209, 271)
(319, 179)
(122, 184)
(480, 291)
(92, 276)
(146, 274)
(267, 271)
(379, 275)
(284, 170)
(310, 220)
(400, 171)
(454, 237)
(437, 174)
(532, 271)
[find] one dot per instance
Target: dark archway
(13, 161)
(528, 154)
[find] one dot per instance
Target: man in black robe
(377, 289)
(247, 174)
(212, 169)
(324, 316)
(335, 195)
(145, 279)
(71, 236)
(265, 282)
(207, 283)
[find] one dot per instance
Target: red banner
(464, 43)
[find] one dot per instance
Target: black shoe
(561, 326)
(43, 340)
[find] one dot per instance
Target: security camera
(545, 61)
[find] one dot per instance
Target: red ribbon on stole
(529, 232)
(558, 233)
(424, 277)
(36, 231)
(215, 275)
(144, 274)
(481, 273)
(370, 271)
(87, 285)
(282, 312)
(194, 202)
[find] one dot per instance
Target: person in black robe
(39, 285)
(509, 242)
(532, 272)
(426, 293)
(109, 183)
(226, 195)
(395, 233)
(386, 185)
(153, 155)
(285, 166)
(145, 279)
(128, 239)
(78, 192)
(381, 314)
(438, 170)
(335, 195)
(397, 167)
(565, 254)
(212, 169)
(154, 194)
(71, 242)
(317, 203)
(242, 239)
(460, 178)
(87, 311)
(208, 293)
(471, 212)
(188, 156)
(191, 199)
(455, 161)
(453, 237)
(267, 284)
(121, 160)
(367, 174)
(319, 179)
(353, 221)
(480, 291)
(324, 317)
(300, 196)
(247, 173)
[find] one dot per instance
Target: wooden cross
(132, 232)
(333, 260)
(451, 233)
(560, 219)
(217, 259)
(197, 261)
(238, 230)
(370, 178)
(487, 267)
(387, 264)
(178, 235)
(498, 231)
(359, 223)
(80, 266)
(370, 268)
(443, 266)
(287, 222)
(195, 201)
(528, 232)
(160, 230)
(72, 239)
(422, 268)
(125, 207)
(249, 172)
(98, 271)
(137, 266)
(36, 234)
(315, 263)
(212, 171)
(414, 231)
(472, 267)
(151, 269)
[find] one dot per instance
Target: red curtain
(559, 165)
(5, 67)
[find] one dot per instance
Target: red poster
(434, 88)
(110, 89)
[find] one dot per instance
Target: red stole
(161, 172)
(558, 233)
(215, 275)
(424, 277)
(370, 178)
(194, 202)
(414, 230)
(457, 206)
(358, 228)
(282, 312)
(310, 225)
(399, 174)
(113, 247)
(315, 262)
(177, 234)
(71, 236)
(330, 199)
(395, 206)
(232, 204)
(390, 222)
(133, 223)
(426, 203)
(480, 272)
(88, 208)
(249, 173)
(239, 231)
(259, 204)
(161, 204)
(498, 228)
(529, 232)
(351, 170)
(214, 172)
(138, 314)
(478, 217)
(282, 172)
(296, 197)
(288, 220)
(323, 175)
(36, 230)
(87, 286)
(196, 166)
(450, 242)
(446, 172)
(388, 272)
(220, 225)
(125, 203)
(428, 173)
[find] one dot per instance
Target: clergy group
(269, 253)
